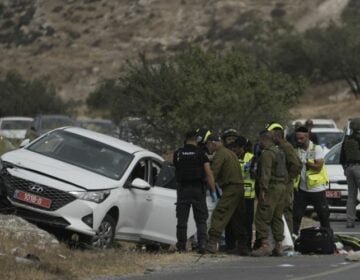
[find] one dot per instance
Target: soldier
(272, 192)
(227, 174)
(192, 168)
(293, 165)
(245, 159)
(350, 160)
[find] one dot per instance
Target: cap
(273, 125)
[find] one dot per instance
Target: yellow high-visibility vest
(249, 184)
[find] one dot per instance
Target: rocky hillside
(78, 42)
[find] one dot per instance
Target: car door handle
(148, 199)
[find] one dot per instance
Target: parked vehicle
(14, 128)
(95, 186)
(338, 189)
(104, 126)
(318, 123)
(45, 123)
(328, 137)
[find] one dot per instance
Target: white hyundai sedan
(95, 186)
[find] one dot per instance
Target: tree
(202, 89)
(335, 52)
(28, 98)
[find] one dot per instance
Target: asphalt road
(296, 267)
(329, 267)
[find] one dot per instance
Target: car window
(13, 124)
(83, 152)
(140, 171)
(166, 177)
(329, 139)
(333, 156)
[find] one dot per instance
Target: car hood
(58, 169)
(335, 172)
(13, 134)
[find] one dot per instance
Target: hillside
(77, 43)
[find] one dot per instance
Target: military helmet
(229, 132)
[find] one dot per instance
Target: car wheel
(104, 237)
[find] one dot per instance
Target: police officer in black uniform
(192, 172)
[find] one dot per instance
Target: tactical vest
(249, 184)
(351, 150)
(281, 173)
(189, 166)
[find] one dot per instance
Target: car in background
(337, 192)
(328, 137)
(14, 128)
(318, 123)
(46, 123)
(94, 186)
(104, 126)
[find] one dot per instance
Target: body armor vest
(189, 166)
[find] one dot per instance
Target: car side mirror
(24, 142)
(140, 184)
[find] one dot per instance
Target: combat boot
(263, 251)
(201, 247)
(212, 246)
(278, 250)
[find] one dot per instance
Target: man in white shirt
(313, 181)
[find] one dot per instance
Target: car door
(161, 224)
(136, 207)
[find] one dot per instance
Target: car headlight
(95, 196)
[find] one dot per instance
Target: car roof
(326, 129)
(109, 140)
(16, 118)
(315, 121)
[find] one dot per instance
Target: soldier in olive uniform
(293, 165)
(270, 207)
(227, 174)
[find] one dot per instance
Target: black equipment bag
(315, 240)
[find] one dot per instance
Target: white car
(94, 185)
(338, 190)
(328, 137)
(318, 123)
(14, 128)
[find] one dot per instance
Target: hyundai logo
(36, 188)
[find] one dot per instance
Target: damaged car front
(93, 185)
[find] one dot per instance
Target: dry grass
(61, 262)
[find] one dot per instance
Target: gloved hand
(214, 197)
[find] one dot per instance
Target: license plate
(333, 194)
(33, 199)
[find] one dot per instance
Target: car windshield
(333, 156)
(329, 139)
(52, 123)
(83, 152)
(15, 125)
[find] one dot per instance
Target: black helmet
(202, 134)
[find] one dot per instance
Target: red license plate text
(333, 194)
(33, 199)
